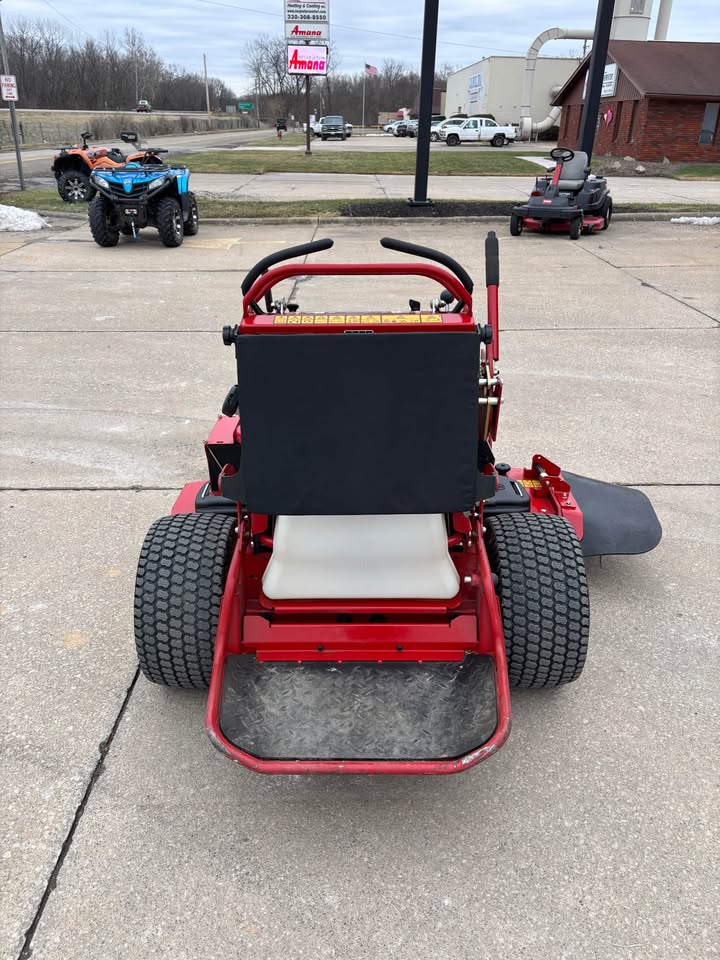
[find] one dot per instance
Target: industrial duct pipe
(527, 127)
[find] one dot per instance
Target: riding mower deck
(358, 581)
(570, 201)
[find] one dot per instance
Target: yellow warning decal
(348, 319)
(532, 484)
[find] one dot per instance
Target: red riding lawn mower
(570, 201)
(358, 581)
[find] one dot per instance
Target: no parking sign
(8, 87)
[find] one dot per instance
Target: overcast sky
(362, 30)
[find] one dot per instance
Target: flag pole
(363, 104)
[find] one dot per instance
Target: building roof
(662, 68)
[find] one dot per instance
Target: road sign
(245, 106)
(307, 11)
(308, 32)
(8, 87)
(309, 61)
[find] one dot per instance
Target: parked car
(281, 124)
(435, 130)
(332, 127)
(400, 128)
(412, 128)
(144, 106)
(479, 130)
(317, 126)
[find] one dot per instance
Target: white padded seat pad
(399, 556)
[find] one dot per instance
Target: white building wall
(494, 86)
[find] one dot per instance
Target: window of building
(710, 122)
(617, 119)
(637, 6)
(633, 121)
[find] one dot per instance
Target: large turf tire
(606, 213)
(169, 219)
(192, 224)
(516, 225)
(103, 233)
(74, 187)
(180, 582)
(543, 592)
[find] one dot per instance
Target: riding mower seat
(575, 172)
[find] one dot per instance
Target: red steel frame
(413, 631)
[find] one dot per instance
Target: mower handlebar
(301, 250)
(403, 246)
(492, 260)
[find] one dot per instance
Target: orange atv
(73, 165)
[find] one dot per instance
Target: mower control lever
(492, 260)
(402, 246)
(301, 250)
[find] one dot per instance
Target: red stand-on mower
(569, 201)
(358, 581)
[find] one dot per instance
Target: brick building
(660, 99)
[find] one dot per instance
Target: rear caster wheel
(575, 228)
(516, 225)
(543, 593)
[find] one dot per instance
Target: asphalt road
(592, 835)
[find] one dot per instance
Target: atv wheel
(498, 140)
(516, 225)
(180, 582)
(575, 228)
(74, 187)
(101, 228)
(607, 214)
(543, 597)
(168, 216)
(453, 140)
(192, 224)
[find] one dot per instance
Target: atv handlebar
(402, 246)
(301, 250)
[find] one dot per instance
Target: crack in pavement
(103, 751)
(651, 286)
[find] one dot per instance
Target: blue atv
(144, 193)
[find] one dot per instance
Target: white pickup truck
(317, 127)
(478, 130)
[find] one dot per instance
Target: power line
(379, 33)
(72, 22)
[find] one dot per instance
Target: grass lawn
(49, 201)
(698, 171)
(454, 161)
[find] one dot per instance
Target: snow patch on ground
(700, 221)
(13, 219)
(540, 161)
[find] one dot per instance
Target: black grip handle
(492, 260)
(402, 246)
(301, 250)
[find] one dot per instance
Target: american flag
(370, 70)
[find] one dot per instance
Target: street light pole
(13, 118)
(207, 91)
(427, 82)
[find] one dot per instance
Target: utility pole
(11, 104)
(427, 83)
(595, 74)
(207, 91)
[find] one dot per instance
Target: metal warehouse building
(494, 86)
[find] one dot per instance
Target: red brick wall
(672, 130)
(663, 128)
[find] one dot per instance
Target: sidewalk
(321, 186)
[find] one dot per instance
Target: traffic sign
(8, 87)
(245, 106)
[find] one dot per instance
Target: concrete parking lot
(593, 834)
